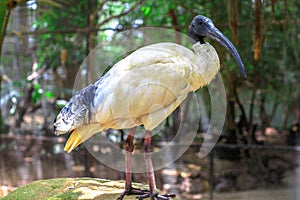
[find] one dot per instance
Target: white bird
(143, 89)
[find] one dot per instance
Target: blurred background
(258, 154)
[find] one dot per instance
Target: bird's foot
(133, 191)
(156, 196)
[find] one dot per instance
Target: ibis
(144, 88)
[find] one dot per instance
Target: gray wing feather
(79, 110)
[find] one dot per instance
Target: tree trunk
(285, 114)
(257, 29)
(23, 106)
(250, 135)
(173, 16)
(233, 12)
(6, 7)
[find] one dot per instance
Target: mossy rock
(71, 188)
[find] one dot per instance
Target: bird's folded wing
(143, 95)
(80, 135)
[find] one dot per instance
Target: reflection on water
(297, 175)
(24, 159)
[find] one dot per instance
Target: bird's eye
(200, 23)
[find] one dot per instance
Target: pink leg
(128, 162)
(128, 153)
(148, 161)
(150, 172)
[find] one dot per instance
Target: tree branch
(119, 15)
(173, 16)
(251, 111)
(239, 101)
(83, 30)
(100, 7)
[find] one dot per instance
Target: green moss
(71, 188)
(37, 189)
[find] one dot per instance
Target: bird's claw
(156, 196)
(143, 194)
(133, 191)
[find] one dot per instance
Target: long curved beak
(217, 35)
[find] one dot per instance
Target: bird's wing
(78, 111)
(77, 116)
(81, 134)
(145, 87)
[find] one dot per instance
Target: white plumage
(142, 89)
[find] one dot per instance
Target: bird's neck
(201, 40)
(206, 64)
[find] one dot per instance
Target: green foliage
(4, 16)
(3, 8)
(49, 94)
(146, 10)
(58, 19)
(38, 93)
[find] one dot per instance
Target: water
(24, 159)
(297, 175)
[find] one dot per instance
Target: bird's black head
(202, 27)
